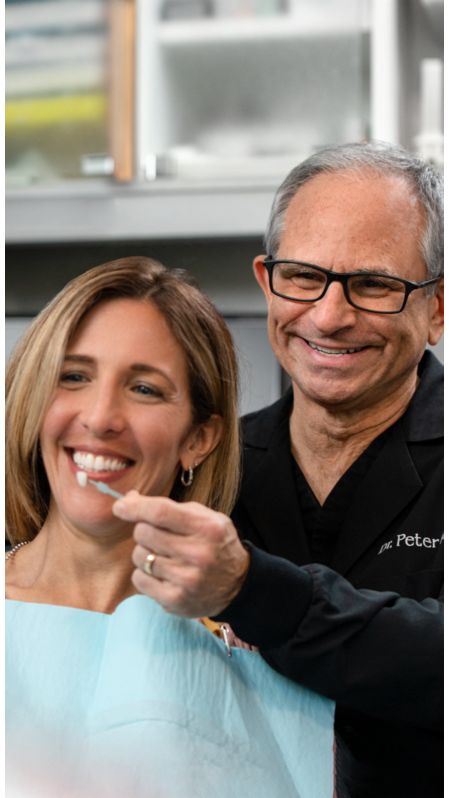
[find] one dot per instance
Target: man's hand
(200, 562)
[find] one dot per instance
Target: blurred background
(163, 128)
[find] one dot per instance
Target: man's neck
(326, 441)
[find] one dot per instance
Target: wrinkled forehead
(361, 218)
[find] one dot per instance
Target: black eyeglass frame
(342, 278)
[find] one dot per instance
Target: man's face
(346, 222)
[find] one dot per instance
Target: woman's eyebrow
(78, 359)
(144, 368)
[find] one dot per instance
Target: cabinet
(245, 98)
(178, 128)
(69, 90)
(56, 88)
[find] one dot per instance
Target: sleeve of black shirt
(375, 652)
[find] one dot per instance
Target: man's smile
(324, 350)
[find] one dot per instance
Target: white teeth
(81, 477)
(91, 462)
(325, 351)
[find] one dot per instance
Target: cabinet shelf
(213, 96)
(250, 30)
(101, 211)
(53, 15)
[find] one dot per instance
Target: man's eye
(304, 276)
(375, 285)
(372, 282)
(290, 272)
(308, 276)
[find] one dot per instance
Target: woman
(129, 377)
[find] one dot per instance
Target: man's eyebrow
(376, 270)
(360, 270)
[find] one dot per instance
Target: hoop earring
(187, 480)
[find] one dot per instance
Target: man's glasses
(369, 291)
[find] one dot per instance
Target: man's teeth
(325, 351)
(92, 462)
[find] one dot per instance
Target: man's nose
(333, 312)
(103, 412)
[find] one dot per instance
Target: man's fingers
(145, 559)
(156, 589)
(168, 594)
(177, 564)
(161, 512)
(177, 548)
(153, 509)
(197, 563)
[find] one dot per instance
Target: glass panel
(252, 88)
(56, 90)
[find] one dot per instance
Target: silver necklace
(10, 554)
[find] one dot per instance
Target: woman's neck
(63, 566)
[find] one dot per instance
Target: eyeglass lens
(366, 291)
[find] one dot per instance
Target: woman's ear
(202, 441)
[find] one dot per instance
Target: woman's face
(121, 412)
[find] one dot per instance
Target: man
(342, 486)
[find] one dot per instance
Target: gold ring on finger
(148, 564)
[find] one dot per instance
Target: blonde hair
(34, 368)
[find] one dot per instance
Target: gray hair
(425, 182)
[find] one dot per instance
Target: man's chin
(331, 394)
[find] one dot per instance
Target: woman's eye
(72, 376)
(147, 390)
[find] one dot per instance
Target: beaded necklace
(10, 554)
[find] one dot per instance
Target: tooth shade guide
(81, 477)
(83, 480)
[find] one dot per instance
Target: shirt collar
(423, 419)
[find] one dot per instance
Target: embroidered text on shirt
(416, 540)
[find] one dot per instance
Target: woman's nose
(102, 413)
(333, 312)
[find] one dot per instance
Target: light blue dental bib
(140, 704)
